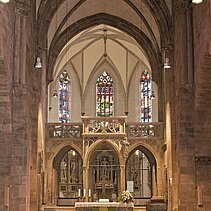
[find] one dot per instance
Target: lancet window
(64, 97)
(104, 95)
(145, 99)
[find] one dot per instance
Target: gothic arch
(99, 144)
(153, 55)
(154, 154)
(48, 8)
(61, 151)
(107, 65)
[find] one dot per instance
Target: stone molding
(203, 160)
(182, 6)
(22, 8)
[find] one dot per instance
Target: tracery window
(145, 99)
(64, 97)
(138, 170)
(70, 178)
(104, 95)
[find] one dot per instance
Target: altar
(103, 206)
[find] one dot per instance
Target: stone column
(154, 184)
(21, 11)
(85, 183)
(54, 187)
(122, 178)
(183, 182)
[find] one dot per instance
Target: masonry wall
(202, 61)
(19, 85)
(6, 66)
(184, 193)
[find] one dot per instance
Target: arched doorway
(104, 173)
(139, 167)
(68, 164)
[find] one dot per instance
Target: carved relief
(203, 160)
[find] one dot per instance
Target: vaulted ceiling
(142, 27)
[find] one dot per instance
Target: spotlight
(197, 1)
(5, 1)
(167, 63)
(38, 63)
(55, 94)
(152, 96)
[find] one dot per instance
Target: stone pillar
(183, 182)
(154, 183)
(21, 11)
(122, 178)
(85, 183)
(19, 177)
(54, 187)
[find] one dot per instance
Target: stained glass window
(138, 170)
(145, 99)
(64, 97)
(104, 95)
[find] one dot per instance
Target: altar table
(103, 206)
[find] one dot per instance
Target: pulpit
(103, 206)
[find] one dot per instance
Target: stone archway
(104, 173)
(69, 182)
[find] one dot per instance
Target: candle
(7, 196)
(89, 192)
(79, 192)
(199, 195)
(84, 192)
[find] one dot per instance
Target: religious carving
(105, 170)
(125, 147)
(203, 160)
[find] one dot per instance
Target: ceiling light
(38, 63)
(167, 63)
(5, 1)
(152, 96)
(55, 94)
(197, 1)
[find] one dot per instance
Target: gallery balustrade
(105, 126)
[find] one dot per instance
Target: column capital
(21, 8)
(182, 6)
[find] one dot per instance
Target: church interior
(102, 96)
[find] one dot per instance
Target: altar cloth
(103, 206)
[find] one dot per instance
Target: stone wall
(183, 148)
(6, 62)
(19, 86)
(202, 58)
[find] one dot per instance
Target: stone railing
(144, 129)
(104, 126)
(64, 130)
